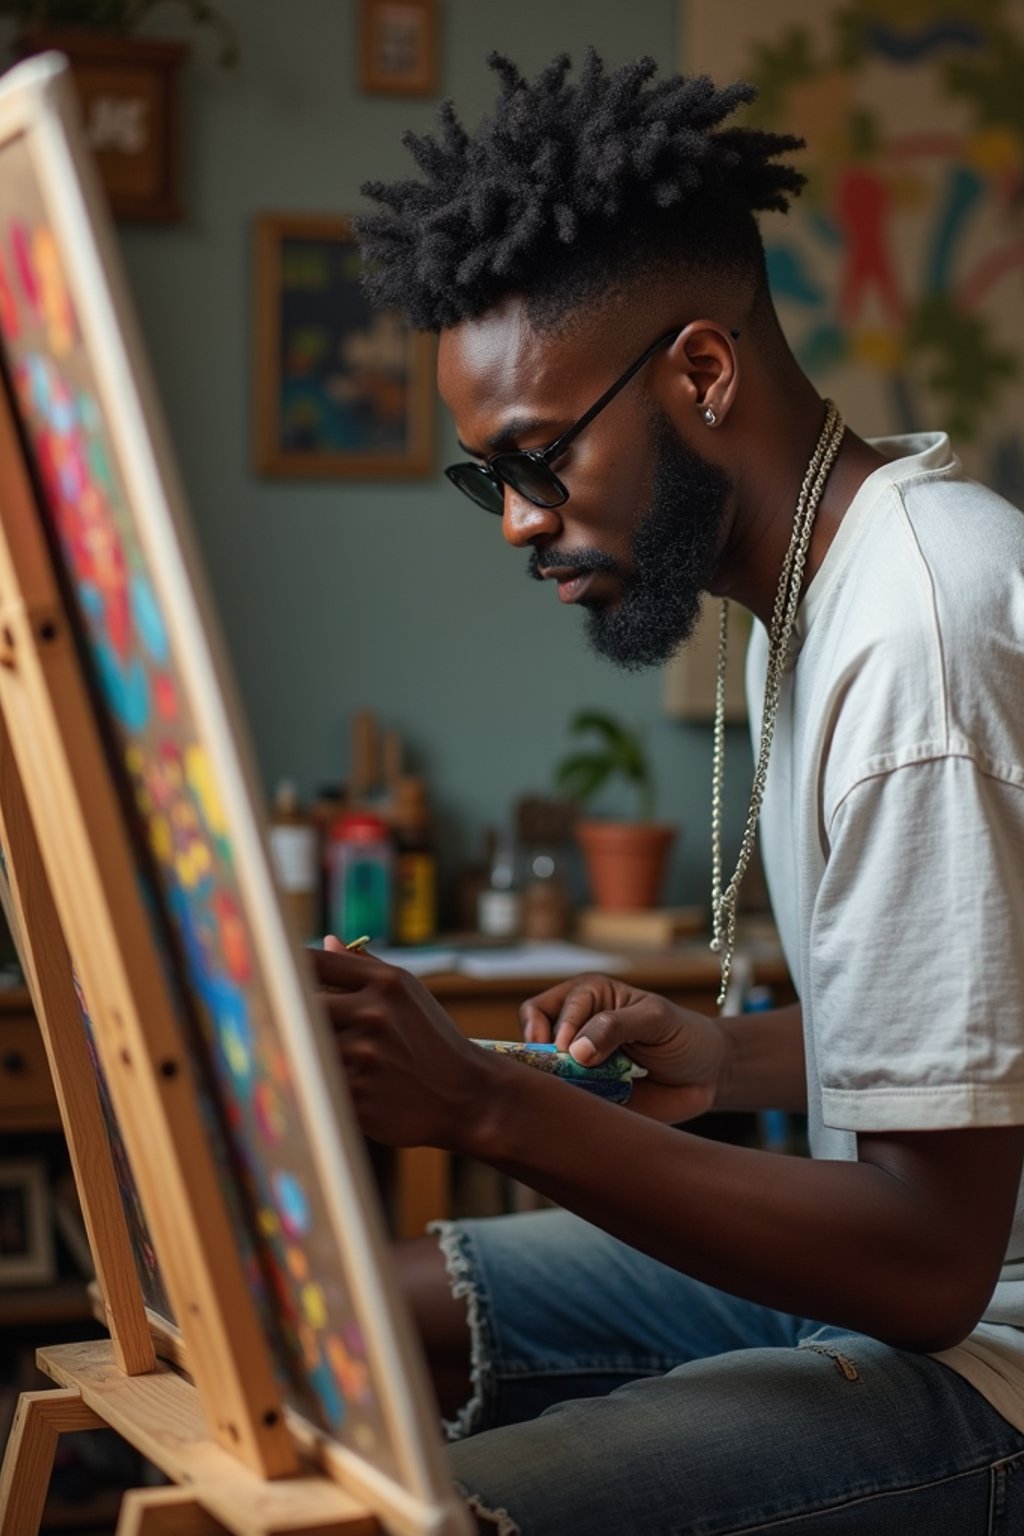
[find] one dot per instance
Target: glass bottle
(499, 905)
(546, 905)
(415, 864)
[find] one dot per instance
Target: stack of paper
(537, 958)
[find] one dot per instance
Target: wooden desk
(482, 1009)
(489, 1010)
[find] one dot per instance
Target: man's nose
(522, 522)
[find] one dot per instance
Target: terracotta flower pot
(626, 861)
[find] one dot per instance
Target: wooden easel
(121, 1384)
(83, 903)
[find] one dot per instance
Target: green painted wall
(341, 595)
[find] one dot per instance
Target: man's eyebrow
(507, 437)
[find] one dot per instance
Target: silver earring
(709, 416)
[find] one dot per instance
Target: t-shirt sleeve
(917, 951)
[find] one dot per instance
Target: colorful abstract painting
(899, 274)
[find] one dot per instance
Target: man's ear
(702, 376)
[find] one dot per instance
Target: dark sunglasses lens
(474, 481)
(530, 478)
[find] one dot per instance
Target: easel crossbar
(160, 1415)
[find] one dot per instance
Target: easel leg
(28, 1460)
(165, 1512)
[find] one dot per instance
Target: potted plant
(625, 859)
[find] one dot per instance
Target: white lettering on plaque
(118, 122)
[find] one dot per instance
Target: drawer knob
(14, 1063)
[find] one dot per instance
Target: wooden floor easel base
(40, 1419)
(159, 1414)
(165, 1512)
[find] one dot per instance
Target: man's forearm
(844, 1242)
(764, 1061)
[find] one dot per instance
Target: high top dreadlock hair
(567, 190)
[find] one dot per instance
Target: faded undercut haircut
(569, 190)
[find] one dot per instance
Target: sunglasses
(527, 471)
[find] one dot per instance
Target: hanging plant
(118, 17)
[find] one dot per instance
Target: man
(724, 1339)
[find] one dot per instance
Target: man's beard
(674, 552)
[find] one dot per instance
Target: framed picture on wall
(26, 1225)
(343, 390)
(398, 46)
(128, 89)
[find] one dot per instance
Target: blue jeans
(615, 1397)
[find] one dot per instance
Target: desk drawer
(25, 1082)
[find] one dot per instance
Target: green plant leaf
(620, 752)
(634, 758)
(596, 720)
(582, 775)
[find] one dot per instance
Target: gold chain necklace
(787, 602)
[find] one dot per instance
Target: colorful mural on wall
(899, 274)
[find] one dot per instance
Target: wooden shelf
(28, 1102)
(31, 1117)
(99, 1509)
(66, 1301)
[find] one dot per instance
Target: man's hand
(414, 1079)
(591, 1016)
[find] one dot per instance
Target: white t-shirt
(893, 832)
